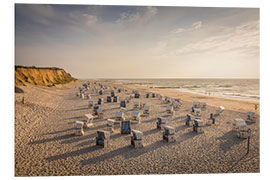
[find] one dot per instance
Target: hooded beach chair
(103, 138)
(125, 127)
(169, 133)
(136, 138)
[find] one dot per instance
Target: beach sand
(45, 144)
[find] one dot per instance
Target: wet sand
(45, 144)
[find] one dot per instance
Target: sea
(232, 88)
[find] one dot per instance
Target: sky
(139, 41)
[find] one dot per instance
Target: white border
(7, 81)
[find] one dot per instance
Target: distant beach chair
(88, 96)
(95, 109)
(103, 138)
(100, 101)
(169, 133)
(137, 95)
(123, 104)
(146, 110)
(79, 128)
(197, 126)
(251, 117)
(142, 104)
(240, 127)
(219, 111)
(82, 95)
(89, 121)
(196, 104)
(136, 116)
(153, 95)
(119, 116)
(78, 94)
(90, 104)
(170, 111)
(100, 113)
(125, 127)
(109, 99)
(197, 111)
(115, 99)
(136, 105)
(100, 92)
(112, 94)
(161, 121)
(203, 105)
(190, 120)
(110, 125)
(136, 139)
(176, 105)
(147, 95)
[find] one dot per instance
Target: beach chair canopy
(102, 134)
(161, 120)
(137, 135)
(110, 122)
(169, 130)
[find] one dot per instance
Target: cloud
(141, 16)
(195, 26)
(241, 39)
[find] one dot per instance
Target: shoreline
(230, 103)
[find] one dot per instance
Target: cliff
(44, 76)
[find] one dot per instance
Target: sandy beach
(45, 144)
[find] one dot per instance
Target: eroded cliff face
(41, 76)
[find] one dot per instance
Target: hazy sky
(139, 42)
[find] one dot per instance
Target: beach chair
(136, 139)
(115, 99)
(103, 138)
(112, 94)
(89, 120)
(90, 104)
(147, 95)
(100, 113)
(82, 95)
(119, 90)
(142, 104)
(203, 105)
(196, 104)
(123, 104)
(110, 125)
(197, 126)
(153, 95)
(100, 92)
(169, 133)
(146, 110)
(240, 127)
(161, 121)
(136, 105)
(251, 117)
(136, 116)
(79, 128)
(109, 99)
(197, 111)
(169, 110)
(88, 96)
(100, 101)
(137, 95)
(190, 120)
(125, 127)
(95, 109)
(219, 111)
(119, 116)
(169, 100)
(176, 105)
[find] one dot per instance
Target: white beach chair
(119, 116)
(241, 128)
(197, 111)
(169, 110)
(203, 105)
(220, 110)
(136, 116)
(110, 125)
(100, 113)
(79, 128)
(146, 110)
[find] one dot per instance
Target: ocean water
(233, 88)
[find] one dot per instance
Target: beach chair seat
(136, 139)
(90, 104)
(100, 101)
(79, 124)
(169, 133)
(103, 138)
(125, 127)
(146, 110)
(109, 99)
(119, 116)
(136, 116)
(161, 121)
(153, 95)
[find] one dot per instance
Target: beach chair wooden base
(79, 132)
(169, 138)
(136, 143)
(104, 143)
